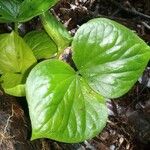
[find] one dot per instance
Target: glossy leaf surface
(23, 10)
(61, 104)
(41, 44)
(110, 56)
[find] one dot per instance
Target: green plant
(64, 104)
(23, 10)
(15, 59)
(56, 31)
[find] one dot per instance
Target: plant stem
(57, 32)
(16, 27)
(58, 54)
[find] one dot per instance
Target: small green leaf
(56, 31)
(32, 8)
(13, 84)
(16, 58)
(61, 104)
(41, 44)
(15, 55)
(9, 10)
(23, 10)
(110, 56)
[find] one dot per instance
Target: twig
(146, 25)
(132, 10)
(116, 12)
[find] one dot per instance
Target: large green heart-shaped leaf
(110, 56)
(41, 44)
(15, 60)
(61, 104)
(23, 10)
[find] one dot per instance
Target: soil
(128, 127)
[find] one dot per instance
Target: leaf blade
(15, 61)
(9, 10)
(72, 115)
(13, 84)
(109, 56)
(15, 56)
(32, 8)
(41, 44)
(23, 10)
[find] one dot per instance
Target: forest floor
(128, 127)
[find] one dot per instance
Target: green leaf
(61, 104)
(1, 72)
(32, 8)
(56, 31)
(16, 58)
(110, 56)
(13, 84)
(15, 55)
(41, 44)
(23, 10)
(9, 10)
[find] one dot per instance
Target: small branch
(146, 25)
(132, 10)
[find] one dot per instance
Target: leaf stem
(60, 51)
(16, 27)
(57, 31)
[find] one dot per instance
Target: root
(4, 135)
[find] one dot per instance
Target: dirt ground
(128, 127)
